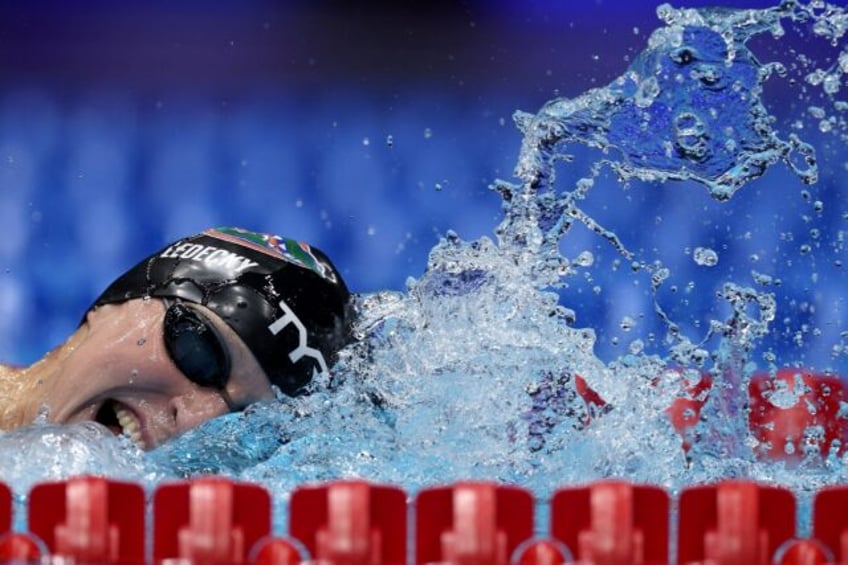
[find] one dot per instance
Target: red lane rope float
(803, 552)
(612, 522)
(211, 520)
(5, 509)
(814, 421)
(734, 522)
(18, 547)
(471, 523)
(275, 551)
(830, 520)
(351, 522)
(90, 519)
(792, 413)
(542, 552)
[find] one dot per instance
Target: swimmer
(208, 325)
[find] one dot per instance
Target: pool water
(471, 371)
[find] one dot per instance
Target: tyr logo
(302, 350)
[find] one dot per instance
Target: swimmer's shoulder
(8, 370)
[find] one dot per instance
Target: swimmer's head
(284, 299)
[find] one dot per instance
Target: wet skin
(115, 370)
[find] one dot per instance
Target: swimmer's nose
(195, 407)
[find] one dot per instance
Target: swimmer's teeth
(130, 425)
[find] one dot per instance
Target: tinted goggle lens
(196, 347)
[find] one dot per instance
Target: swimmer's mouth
(120, 420)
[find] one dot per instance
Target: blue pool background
(368, 131)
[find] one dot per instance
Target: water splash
(688, 108)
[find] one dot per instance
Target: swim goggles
(197, 348)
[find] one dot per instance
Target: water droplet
(627, 323)
(789, 448)
(390, 141)
(659, 277)
(705, 257)
(585, 259)
(816, 112)
(691, 135)
(831, 83)
(647, 92)
(761, 279)
(366, 142)
(428, 133)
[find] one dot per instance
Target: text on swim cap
(302, 350)
(209, 255)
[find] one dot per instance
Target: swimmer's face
(122, 376)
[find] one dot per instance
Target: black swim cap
(283, 298)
